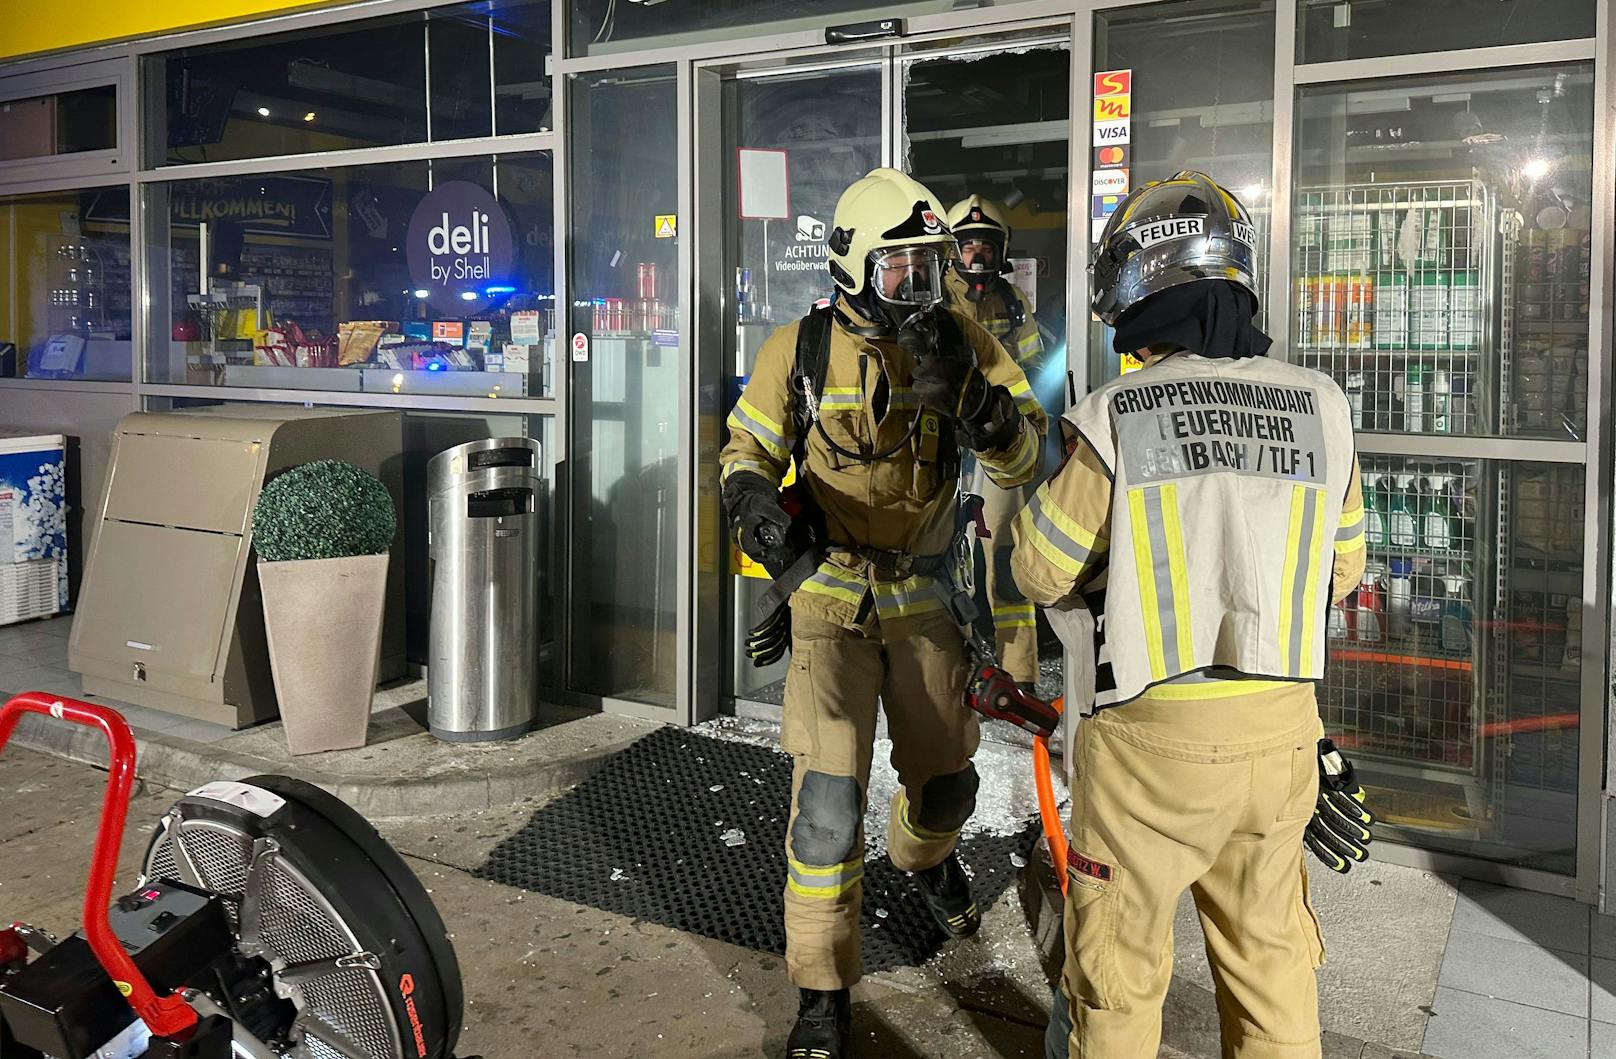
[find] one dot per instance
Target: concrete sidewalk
(1419, 964)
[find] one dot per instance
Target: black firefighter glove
(946, 378)
(761, 524)
(1339, 832)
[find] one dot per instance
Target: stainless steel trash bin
(484, 546)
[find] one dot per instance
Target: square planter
(323, 621)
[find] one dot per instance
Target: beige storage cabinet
(170, 615)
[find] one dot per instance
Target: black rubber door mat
(689, 831)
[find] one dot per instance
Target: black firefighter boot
(824, 1028)
(948, 895)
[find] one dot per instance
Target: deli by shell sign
(461, 252)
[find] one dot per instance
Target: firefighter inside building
(871, 398)
(978, 287)
(1206, 513)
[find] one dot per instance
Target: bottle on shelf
(1368, 611)
(1402, 521)
(1355, 398)
(1436, 515)
(1338, 623)
(1414, 398)
(1457, 621)
(1374, 510)
(1441, 403)
(1399, 599)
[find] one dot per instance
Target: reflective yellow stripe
(828, 582)
(1145, 572)
(1349, 533)
(1177, 565)
(746, 417)
(823, 893)
(1215, 689)
(842, 397)
(1060, 520)
(916, 832)
(1017, 462)
(753, 466)
(1031, 344)
(823, 882)
(1287, 601)
(1310, 597)
(903, 599)
(1015, 616)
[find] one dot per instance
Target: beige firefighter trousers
(917, 668)
(1015, 620)
(1210, 796)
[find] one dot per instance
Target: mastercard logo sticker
(1111, 155)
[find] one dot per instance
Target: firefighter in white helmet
(872, 398)
(1208, 510)
(977, 286)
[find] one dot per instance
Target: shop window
(64, 123)
(1332, 30)
(1190, 86)
(65, 285)
(427, 277)
(448, 73)
(1441, 250)
(625, 449)
(1455, 672)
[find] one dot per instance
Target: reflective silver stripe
(770, 438)
(1054, 534)
(922, 596)
(1350, 530)
(1162, 573)
(1304, 570)
(902, 397)
(837, 585)
(822, 878)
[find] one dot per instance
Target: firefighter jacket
(1220, 500)
(904, 504)
(1012, 325)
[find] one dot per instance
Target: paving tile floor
(1524, 975)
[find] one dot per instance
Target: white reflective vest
(1229, 478)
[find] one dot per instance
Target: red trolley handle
(166, 1016)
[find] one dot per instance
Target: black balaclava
(1212, 317)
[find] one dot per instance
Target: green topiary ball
(323, 510)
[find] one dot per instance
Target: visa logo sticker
(1113, 132)
(1161, 231)
(1110, 182)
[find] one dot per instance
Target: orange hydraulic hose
(1048, 811)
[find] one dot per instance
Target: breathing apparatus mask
(903, 283)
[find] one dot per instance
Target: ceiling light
(263, 112)
(1536, 169)
(1252, 192)
(309, 116)
(422, 293)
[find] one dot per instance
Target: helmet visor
(911, 277)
